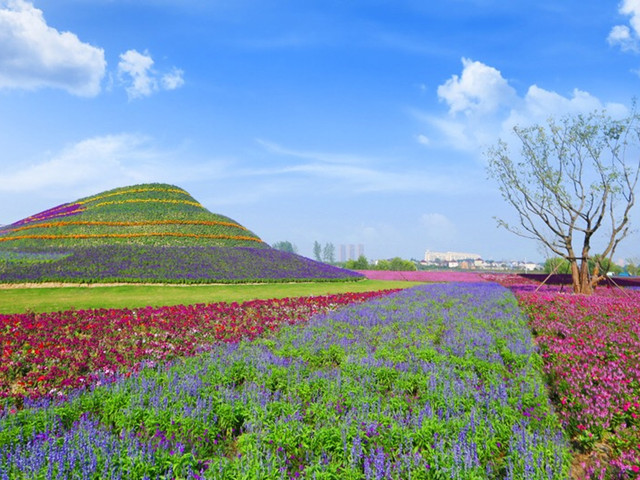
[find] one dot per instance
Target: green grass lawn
(50, 299)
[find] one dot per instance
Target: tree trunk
(580, 277)
(585, 282)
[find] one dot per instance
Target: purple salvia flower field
(440, 381)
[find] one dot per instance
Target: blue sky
(359, 122)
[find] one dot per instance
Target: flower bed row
(422, 276)
(80, 236)
(60, 211)
(50, 353)
(591, 351)
(435, 382)
(98, 223)
(129, 191)
(189, 264)
(145, 200)
(68, 209)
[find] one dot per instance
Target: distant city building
(432, 257)
(350, 252)
(473, 261)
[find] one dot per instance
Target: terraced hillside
(151, 232)
(150, 214)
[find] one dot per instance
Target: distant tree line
(285, 246)
(327, 254)
(562, 265)
(395, 264)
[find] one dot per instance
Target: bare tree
(573, 178)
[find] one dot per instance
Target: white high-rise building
(449, 256)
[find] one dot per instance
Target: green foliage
(317, 251)
(557, 265)
(285, 246)
(396, 264)
(605, 265)
(563, 266)
(360, 264)
(329, 253)
(632, 266)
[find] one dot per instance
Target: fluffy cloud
(103, 162)
(480, 89)
(94, 160)
(172, 80)
(135, 69)
(483, 107)
(623, 36)
(34, 55)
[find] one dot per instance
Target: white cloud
(632, 8)
(135, 70)
(34, 55)
(103, 162)
(173, 79)
(483, 107)
(423, 139)
(627, 39)
(94, 160)
(480, 89)
(354, 173)
(138, 67)
(95, 164)
(621, 35)
(539, 104)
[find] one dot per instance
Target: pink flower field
(422, 276)
(591, 352)
(440, 276)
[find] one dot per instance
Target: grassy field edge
(51, 299)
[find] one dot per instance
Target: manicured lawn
(18, 300)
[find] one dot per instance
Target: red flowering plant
(51, 353)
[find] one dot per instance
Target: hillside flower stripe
(166, 264)
(60, 211)
(131, 191)
(129, 224)
(131, 235)
(146, 200)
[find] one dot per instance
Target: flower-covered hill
(149, 214)
(145, 233)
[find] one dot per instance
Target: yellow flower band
(144, 200)
(129, 224)
(130, 235)
(126, 192)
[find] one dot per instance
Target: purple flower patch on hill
(130, 263)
